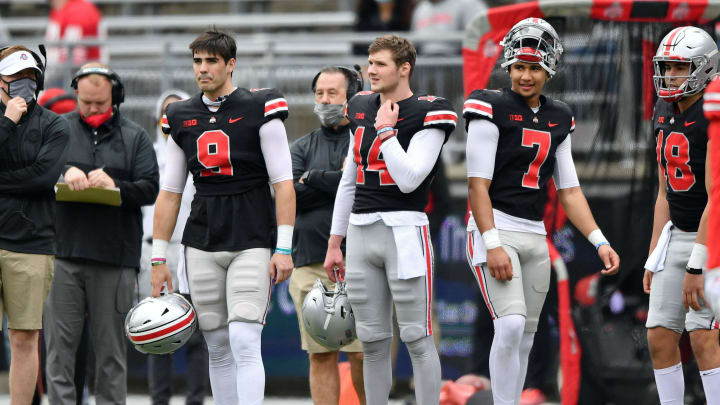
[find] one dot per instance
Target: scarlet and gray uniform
(681, 139)
(390, 208)
(528, 148)
(232, 213)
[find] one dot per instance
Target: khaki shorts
(24, 285)
(301, 282)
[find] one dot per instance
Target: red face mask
(98, 119)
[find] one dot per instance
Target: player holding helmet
(384, 189)
(233, 141)
(685, 62)
(517, 140)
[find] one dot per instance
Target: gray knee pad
(422, 347)
(377, 350)
(411, 333)
(209, 321)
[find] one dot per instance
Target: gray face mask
(24, 88)
(330, 115)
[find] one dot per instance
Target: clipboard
(92, 195)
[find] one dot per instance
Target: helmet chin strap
(674, 94)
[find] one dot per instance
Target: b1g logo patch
(189, 123)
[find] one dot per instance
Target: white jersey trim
(478, 107)
(275, 105)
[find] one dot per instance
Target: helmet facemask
(532, 43)
(689, 45)
(699, 67)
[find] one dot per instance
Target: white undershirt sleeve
(345, 196)
(409, 169)
(565, 175)
(481, 147)
(175, 175)
(275, 150)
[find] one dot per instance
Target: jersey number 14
(374, 162)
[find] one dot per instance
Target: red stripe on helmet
(180, 325)
(670, 39)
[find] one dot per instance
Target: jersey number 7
(530, 138)
(374, 162)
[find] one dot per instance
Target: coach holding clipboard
(98, 245)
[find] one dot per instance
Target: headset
(118, 90)
(354, 77)
(40, 77)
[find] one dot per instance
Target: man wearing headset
(317, 161)
(98, 246)
(33, 144)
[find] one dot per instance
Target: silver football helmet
(328, 317)
(532, 40)
(161, 325)
(691, 45)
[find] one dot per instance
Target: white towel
(656, 261)
(479, 252)
(410, 258)
(183, 286)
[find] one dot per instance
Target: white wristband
(698, 257)
(597, 238)
(491, 238)
(284, 236)
(159, 248)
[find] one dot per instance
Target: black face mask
(24, 88)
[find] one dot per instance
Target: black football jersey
(681, 146)
(232, 208)
(376, 190)
(525, 157)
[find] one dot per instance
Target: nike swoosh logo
(234, 120)
(550, 124)
(400, 119)
(687, 124)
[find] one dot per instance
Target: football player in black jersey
(685, 62)
(397, 136)
(517, 140)
(233, 142)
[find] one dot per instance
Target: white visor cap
(16, 62)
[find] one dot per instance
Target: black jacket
(104, 233)
(32, 155)
(321, 154)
